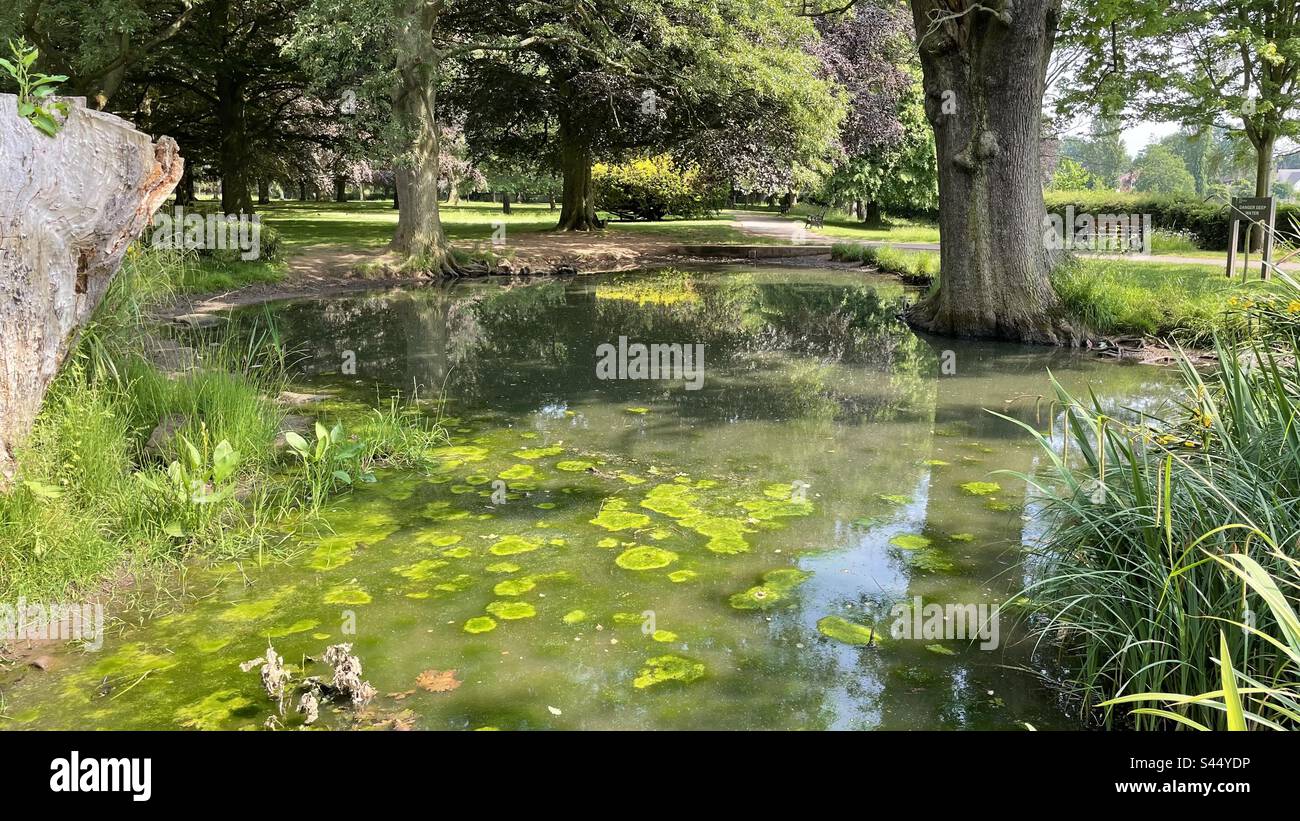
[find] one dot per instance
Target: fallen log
(69, 207)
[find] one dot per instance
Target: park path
(793, 230)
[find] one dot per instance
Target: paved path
(773, 225)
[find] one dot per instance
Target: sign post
(1251, 210)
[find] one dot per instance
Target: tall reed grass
(1170, 578)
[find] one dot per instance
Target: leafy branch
(34, 89)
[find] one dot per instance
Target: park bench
(815, 220)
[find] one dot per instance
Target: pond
(709, 550)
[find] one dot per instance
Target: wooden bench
(815, 220)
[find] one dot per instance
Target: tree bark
(419, 236)
(1263, 184)
(263, 192)
(232, 154)
(340, 190)
(505, 202)
(872, 217)
(984, 77)
(69, 206)
(578, 199)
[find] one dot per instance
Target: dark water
(621, 579)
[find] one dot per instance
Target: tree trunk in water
(419, 236)
(578, 200)
(984, 76)
(71, 205)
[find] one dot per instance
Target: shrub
(1205, 221)
(651, 188)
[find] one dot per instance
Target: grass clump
(1170, 565)
(97, 492)
(888, 259)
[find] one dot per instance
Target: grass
(888, 259)
(1169, 563)
(94, 499)
(1189, 303)
(842, 225)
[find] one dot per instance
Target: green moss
(574, 617)
(574, 465)
(346, 594)
(645, 558)
(910, 541)
(679, 576)
(502, 567)
(510, 610)
(846, 631)
(981, 488)
(480, 624)
(661, 669)
(512, 545)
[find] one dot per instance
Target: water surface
(620, 582)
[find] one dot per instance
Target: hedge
(1205, 221)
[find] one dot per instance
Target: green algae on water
(512, 545)
(679, 576)
(514, 587)
(614, 516)
(421, 570)
(910, 541)
(645, 558)
(480, 624)
(213, 711)
(574, 617)
(777, 586)
(517, 472)
(574, 465)
(511, 610)
(981, 488)
(502, 567)
(538, 453)
(346, 594)
(661, 669)
(843, 630)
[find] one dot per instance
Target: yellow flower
(1294, 307)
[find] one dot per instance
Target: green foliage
(1071, 176)
(650, 188)
(1170, 529)
(35, 90)
(1205, 221)
(92, 498)
(1161, 171)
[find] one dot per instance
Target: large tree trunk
(233, 150)
(578, 200)
(984, 74)
(419, 235)
(69, 206)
